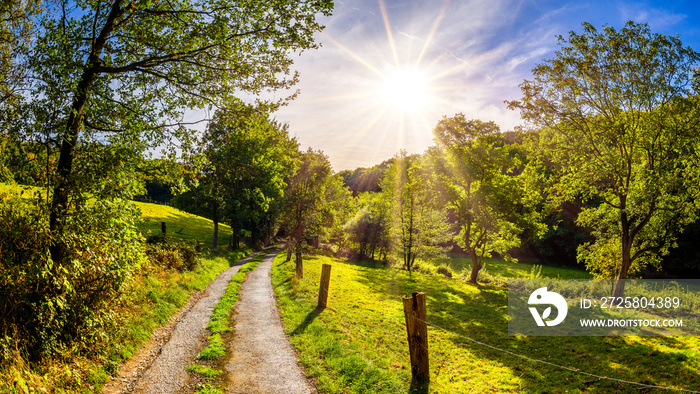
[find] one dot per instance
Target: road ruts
(262, 359)
(168, 372)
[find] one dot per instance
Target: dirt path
(161, 366)
(263, 361)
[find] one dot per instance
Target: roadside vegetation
(358, 343)
(154, 294)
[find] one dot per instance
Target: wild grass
(180, 225)
(204, 371)
(461, 264)
(358, 343)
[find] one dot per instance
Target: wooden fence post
(162, 228)
(323, 289)
(417, 330)
(299, 264)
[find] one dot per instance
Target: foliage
(361, 180)
(417, 226)
(250, 158)
(337, 209)
(368, 228)
(51, 306)
(146, 303)
(17, 29)
(166, 253)
(305, 202)
(619, 116)
(473, 170)
(122, 74)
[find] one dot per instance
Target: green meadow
(358, 343)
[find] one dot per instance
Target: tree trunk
(215, 242)
(476, 265)
(299, 264)
(289, 249)
(626, 242)
(64, 167)
(215, 218)
(234, 235)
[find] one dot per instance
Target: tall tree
(339, 206)
(619, 116)
(418, 226)
(248, 160)
(474, 172)
(130, 69)
(368, 228)
(305, 202)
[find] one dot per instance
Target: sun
(406, 90)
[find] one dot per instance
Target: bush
(165, 253)
(51, 307)
(444, 270)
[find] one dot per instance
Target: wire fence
(511, 353)
(574, 370)
(540, 361)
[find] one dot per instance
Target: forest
(95, 100)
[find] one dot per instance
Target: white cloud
(657, 18)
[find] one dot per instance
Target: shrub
(444, 270)
(51, 307)
(165, 253)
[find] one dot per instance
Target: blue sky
(439, 58)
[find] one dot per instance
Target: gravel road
(168, 373)
(262, 361)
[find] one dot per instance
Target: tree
(249, 158)
(305, 202)
(417, 226)
(337, 210)
(368, 228)
(473, 172)
(129, 70)
(17, 29)
(618, 114)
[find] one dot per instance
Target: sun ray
(433, 30)
(401, 97)
(389, 34)
(353, 55)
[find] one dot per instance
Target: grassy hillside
(358, 343)
(180, 224)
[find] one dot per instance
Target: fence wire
(574, 370)
(531, 359)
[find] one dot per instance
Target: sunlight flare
(406, 90)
